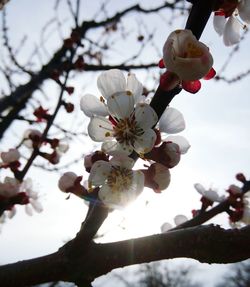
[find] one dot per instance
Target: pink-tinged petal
(134, 86)
(92, 106)
(182, 142)
(169, 81)
(110, 82)
(232, 30)
(100, 129)
(172, 121)
(121, 105)
(145, 142)
(179, 219)
(244, 10)
(191, 86)
(145, 116)
(166, 227)
(210, 75)
(161, 64)
(219, 23)
(99, 172)
(122, 160)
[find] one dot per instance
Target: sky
(216, 127)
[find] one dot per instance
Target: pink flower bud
(10, 156)
(185, 56)
(67, 180)
(167, 154)
(157, 177)
(90, 159)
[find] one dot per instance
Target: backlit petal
(99, 172)
(100, 129)
(145, 116)
(244, 10)
(232, 30)
(121, 105)
(172, 121)
(134, 86)
(92, 106)
(181, 141)
(219, 23)
(110, 82)
(179, 219)
(145, 143)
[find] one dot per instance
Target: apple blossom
(228, 20)
(129, 124)
(119, 184)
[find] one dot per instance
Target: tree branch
(207, 244)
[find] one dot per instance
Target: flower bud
(157, 177)
(10, 156)
(67, 180)
(185, 56)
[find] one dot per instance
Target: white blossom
(231, 27)
(129, 125)
(10, 156)
(119, 184)
(210, 193)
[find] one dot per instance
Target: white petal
(99, 172)
(92, 106)
(231, 33)
(121, 198)
(100, 129)
(166, 227)
(110, 82)
(179, 219)
(113, 148)
(134, 86)
(145, 116)
(181, 141)
(172, 121)
(200, 188)
(123, 161)
(145, 143)
(28, 210)
(219, 23)
(244, 10)
(12, 212)
(121, 105)
(36, 205)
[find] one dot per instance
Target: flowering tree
(132, 126)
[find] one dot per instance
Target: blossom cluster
(128, 128)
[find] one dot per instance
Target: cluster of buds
(33, 139)
(41, 114)
(13, 192)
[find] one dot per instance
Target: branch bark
(207, 244)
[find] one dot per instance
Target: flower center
(126, 130)
(193, 51)
(119, 179)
